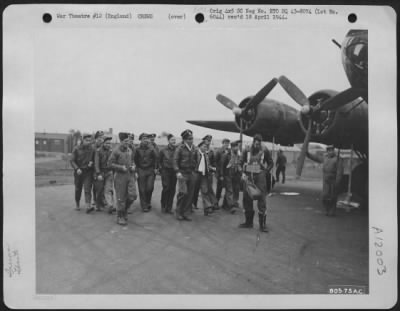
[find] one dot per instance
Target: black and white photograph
(214, 151)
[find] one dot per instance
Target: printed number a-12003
(378, 247)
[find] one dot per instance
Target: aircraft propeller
(261, 94)
(337, 101)
(299, 97)
(229, 103)
(253, 102)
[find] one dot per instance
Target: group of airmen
(114, 174)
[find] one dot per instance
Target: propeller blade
(261, 94)
(227, 102)
(303, 151)
(293, 91)
(340, 99)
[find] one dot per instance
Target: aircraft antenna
(336, 43)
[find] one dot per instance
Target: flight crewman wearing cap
(122, 162)
(104, 176)
(82, 163)
(231, 168)
(97, 143)
(146, 160)
(332, 173)
(220, 177)
(152, 138)
(207, 140)
(168, 176)
(256, 162)
(131, 145)
(203, 170)
(185, 161)
(281, 166)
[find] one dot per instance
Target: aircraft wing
(228, 126)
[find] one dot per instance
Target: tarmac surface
(304, 252)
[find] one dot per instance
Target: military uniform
(213, 169)
(124, 180)
(96, 145)
(332, 172)
(203, 171)
(146, 163)
(231, 168)
(281, 167)
(154, 145)
(185, 161)
(104, 185)
(131, 144)
(220, 177)
(211, 157)
(82, 159)
(168, 178)
(256, 165)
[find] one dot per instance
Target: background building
(53, 142)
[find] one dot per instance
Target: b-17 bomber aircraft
(326, 116)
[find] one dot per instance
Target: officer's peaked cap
(186, 134)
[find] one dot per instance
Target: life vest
(255, 162)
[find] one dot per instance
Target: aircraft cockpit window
(357, 49)
(357, 53)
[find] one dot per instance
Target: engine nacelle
(271, 119)
(343, 127)
(323, 121)
(251, 115)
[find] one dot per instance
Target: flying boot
(249, 215)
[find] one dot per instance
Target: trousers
(146, 178)
(84, 180)
(220, 186)
(213, 197)
(329, 195)
(168, 180)
(205, 189)
(280, 170)
(196, 191)
(104, 190)
(185, 193)
(232, 189)
(260, 181)
(125, 190)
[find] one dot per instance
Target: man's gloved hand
(79, 171)
(179, 176)
(124, 169)
(90, 164)
(100, 177)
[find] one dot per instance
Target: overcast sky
(152, 80)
